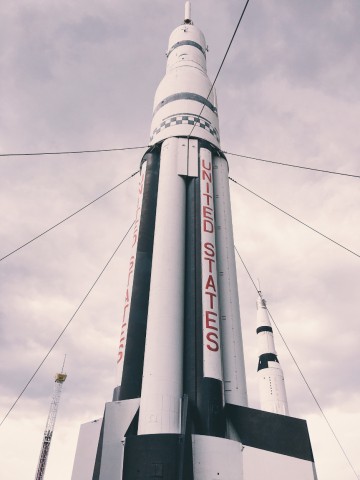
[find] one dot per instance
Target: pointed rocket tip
(187, 12)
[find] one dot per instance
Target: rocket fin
(154, 456)
(117, 419)
(273, 443)
(271, 431)
(262, 464)
(164, 455)
(218, 458)
(86, 450)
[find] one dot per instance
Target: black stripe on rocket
(264, 360)
(193, 357)
(133, 353)
(133, 330)
(264, 328)
(186, 42)
(185, 96)
(266, 357)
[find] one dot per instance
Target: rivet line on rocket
(66, 326)
(298, 367)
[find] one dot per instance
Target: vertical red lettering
(208, 198)
(208, 226)
(210, 283)
(212, 296)
(213, 338)
(128, 292)
(204, 165)
(210, 263)
(207, 212)
(209, 320)
(209, 249)
(206, 176)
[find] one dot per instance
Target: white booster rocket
(179, 411)
(270, 374)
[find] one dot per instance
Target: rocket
(192, 294)
(180, 408)
(270, 375)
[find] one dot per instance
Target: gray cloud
(83, 76)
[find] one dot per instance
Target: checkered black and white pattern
(185, 119)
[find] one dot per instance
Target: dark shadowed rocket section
(272, 432)
(154, 457)
(135, 344)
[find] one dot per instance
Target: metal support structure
(50, 424)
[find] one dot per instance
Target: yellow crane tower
(50, 424)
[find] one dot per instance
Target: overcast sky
(82, 75)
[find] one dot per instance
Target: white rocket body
(160, 405)
(181, 401)
(270, 375)
(232, 344)
(185, 103)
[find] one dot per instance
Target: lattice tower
(50, 424)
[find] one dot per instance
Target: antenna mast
(50, 424)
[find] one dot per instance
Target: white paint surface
(231, 335)
(212, 363)
(260, 464)
(160, 406)
(217, 459)
(86, 450)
